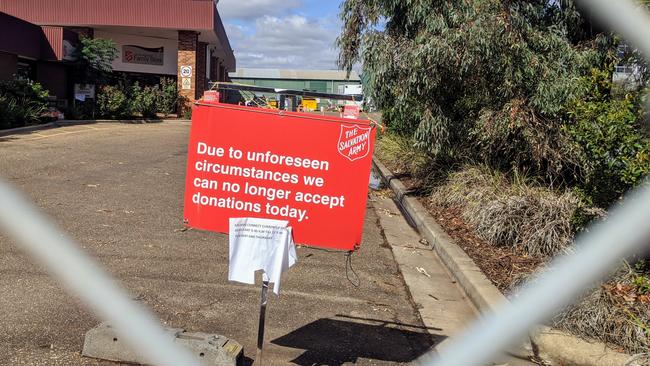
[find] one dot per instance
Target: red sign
(308, 169)
(351, 111)
(211, 96)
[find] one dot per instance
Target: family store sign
(250, 162)
(142, 55)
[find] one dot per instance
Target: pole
(260, 331)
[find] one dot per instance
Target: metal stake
(260, 331)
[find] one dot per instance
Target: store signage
(309, 170)
(84, 91)
(142, 55)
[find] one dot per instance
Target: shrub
(149, 100)
(80, 110)
(122, 100)
(112, 102)
(95, 60)
(480, 79)
(168, 97)
(403, 156)
(615, 151)
(22, 102)
(187, 112)
(144, 100)
(184, 107)
(8, 112)
(617, 312)
(507, 212)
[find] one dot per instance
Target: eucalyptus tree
(476, 79)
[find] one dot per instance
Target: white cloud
(253, 9)
(291, 41)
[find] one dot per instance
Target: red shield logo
(354, 142)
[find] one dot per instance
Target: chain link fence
(626, 231)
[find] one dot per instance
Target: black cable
(348, 263)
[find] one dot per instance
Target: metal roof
(192, 15)
(247, 73)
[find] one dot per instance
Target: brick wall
(187, 45)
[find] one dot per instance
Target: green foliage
(457, 73)
(98, 53)
(510, 210)
(642, 284)
(168, 98)
(112, 102)
(400, 153)
(615, 155)
(143, 100)
(641, 277)
(95, 60)
(128, 101)
(187, 112)
(80, 110)
(22, 102)
(502, 83)
(148, 101)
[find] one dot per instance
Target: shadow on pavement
(7, 138)
(335, 341)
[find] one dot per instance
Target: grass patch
(400, 154)
(513, 213)
(617, 312)
(514, 226)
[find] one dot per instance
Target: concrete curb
(62, 123)
(554, 346)
(67, 122)
(19, 130)
(483, 294)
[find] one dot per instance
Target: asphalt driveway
(118, 190)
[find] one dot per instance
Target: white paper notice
(260, 244)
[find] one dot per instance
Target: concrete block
(102, 342)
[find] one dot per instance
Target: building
(321, 81)
(182, 39)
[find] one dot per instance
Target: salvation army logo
(354, 142)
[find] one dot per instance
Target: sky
(287, 34)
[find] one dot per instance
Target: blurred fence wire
(626, 230)
(84, 278)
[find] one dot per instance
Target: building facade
(182, 39)
(322, 81)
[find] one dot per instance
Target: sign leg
(260, 331)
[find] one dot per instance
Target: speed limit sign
(186, 71)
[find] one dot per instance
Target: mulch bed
(508, 267)
(502, 265)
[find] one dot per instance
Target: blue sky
(296, 34)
